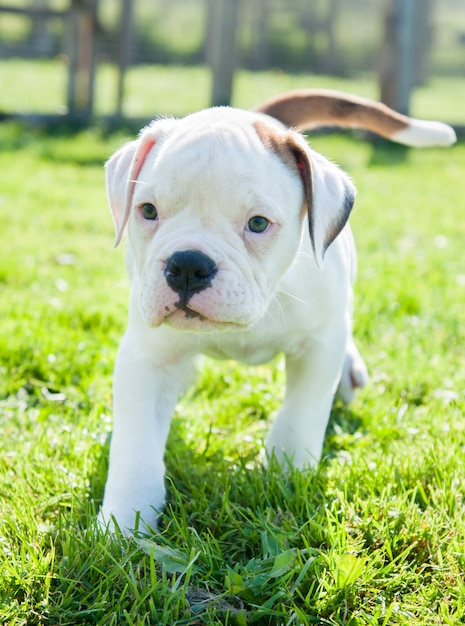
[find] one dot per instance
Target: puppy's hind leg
(354, 373)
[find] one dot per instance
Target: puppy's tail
(304, 109)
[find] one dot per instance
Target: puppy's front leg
(312, 376)
(145, 393)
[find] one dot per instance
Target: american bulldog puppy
(238, 248)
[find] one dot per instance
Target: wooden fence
(406, 28)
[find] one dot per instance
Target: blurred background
(127, 59)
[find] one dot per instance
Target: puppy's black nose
(189, 271)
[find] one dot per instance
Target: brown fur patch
(294, 156)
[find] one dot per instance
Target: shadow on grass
(207, 489)
(386, 153)
(256, 532)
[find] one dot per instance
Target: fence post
(222, 48)
(81, 58)
(261, 47)
(124, 49)
(397, 58)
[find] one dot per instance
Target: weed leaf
(173, 561)
(348, 568)
(282, 563)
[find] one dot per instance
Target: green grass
(376, 536)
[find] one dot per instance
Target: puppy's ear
(329, 196)
(328, 192)
(122, 172)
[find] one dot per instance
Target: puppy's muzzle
(189, 271)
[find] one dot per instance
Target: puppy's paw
(129, 524)
(132, 505)
(354, 375)
(291, 449)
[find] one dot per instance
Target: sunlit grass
(376, 536)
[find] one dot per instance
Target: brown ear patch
(294, 156)
(291, 153)
(146, 143)
(282, 144)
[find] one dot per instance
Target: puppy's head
(214, 204)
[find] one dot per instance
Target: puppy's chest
(249, 354)
(286, 327)
(253, 347)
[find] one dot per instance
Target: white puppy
(238, 248)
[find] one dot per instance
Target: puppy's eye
(149, 211)
(258, 224)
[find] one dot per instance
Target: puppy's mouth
(188, 312)
(192, 321)
(183, 317)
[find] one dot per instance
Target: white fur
(208, 174)
(423, 133)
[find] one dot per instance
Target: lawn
(375, 536)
